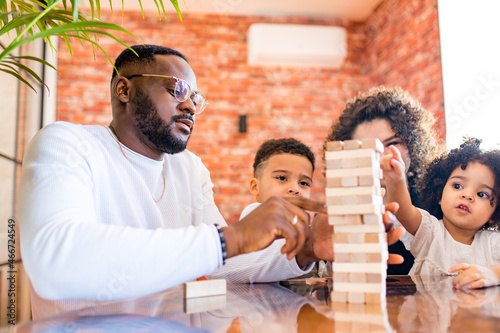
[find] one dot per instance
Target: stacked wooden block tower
(355, 210)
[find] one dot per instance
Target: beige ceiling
(356, 10)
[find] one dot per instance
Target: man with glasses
(125, 210)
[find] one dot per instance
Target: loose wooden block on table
(204, 288)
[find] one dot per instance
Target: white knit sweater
(90, 228)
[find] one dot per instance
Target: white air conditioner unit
(296, 45)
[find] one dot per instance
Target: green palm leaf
(27, 20)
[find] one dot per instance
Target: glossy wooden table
(413, 305)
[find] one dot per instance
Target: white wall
(470, 51)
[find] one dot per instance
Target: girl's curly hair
(409, 121)
(433, 181)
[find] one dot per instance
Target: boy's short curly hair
(280, 146)
(433, 181)
(407, 118)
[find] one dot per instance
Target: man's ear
(254, 186)
(121, 89)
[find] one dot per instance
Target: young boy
(282, 167)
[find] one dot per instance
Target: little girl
(459, 188)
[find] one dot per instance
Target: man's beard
(154, 128)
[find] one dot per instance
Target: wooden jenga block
(334, 182)
(376, 238)
(355, 297)
(358, 172)
(360, 248)
(357, 278)
(204, 288)
(374, 257)
(378, 268)
(345, 219)
(374, 144)
(350, 200)
(369, 181)
(334, 145)
(342, 257)
(355, 209)
(357, 257)
(356, 238)
(349, 181)
(361, 162)
(336, 200)
(334, 164)
(336, 296)
(352, 144)
(343, 154)
(341, 277)
(340, 238)
(373, 218)
(360, 190)
(363, 228)
(375, 278)
(354, 199)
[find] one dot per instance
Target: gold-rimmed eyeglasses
(182, 92)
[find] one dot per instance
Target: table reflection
(303, 305)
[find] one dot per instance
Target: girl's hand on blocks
(393, 166)
(472, 276)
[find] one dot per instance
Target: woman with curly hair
(392, 116)
(461, 190)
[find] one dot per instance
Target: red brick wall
(278, 102)
(403, 49)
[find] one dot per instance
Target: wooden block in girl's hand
(204, 288)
